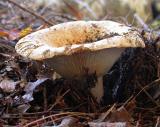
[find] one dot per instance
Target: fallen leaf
(22, 108)
(113, 118)
(4, 33)
(120, 115)
(25, 31)
(68, 122)
(107, 124)
(30, 87)
(11, 35)
(15, 33)
(8, 85)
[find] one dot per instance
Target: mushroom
(72, 48)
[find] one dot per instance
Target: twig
(74, 11)
(65, 16)
(3, 121)
(145, 88)
(87, 7)
(158, 122)
(103, 117)
(128, 100)
(58, 100)
(150, 97)
(141, 22)
(59, 116)
(148, 86)
(30, 12)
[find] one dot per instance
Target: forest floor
(30, 97)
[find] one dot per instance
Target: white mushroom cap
(70, 47)
(66, 38)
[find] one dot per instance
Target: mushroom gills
(76, 65)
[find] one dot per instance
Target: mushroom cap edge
(33, 49)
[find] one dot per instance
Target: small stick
(31, 12)
(158, 122)
(141, 22)
(58, 100)
(58, 116)
(148, 86)
(143, 89)
(150, 97)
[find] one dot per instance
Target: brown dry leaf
(120, 115)
(15, 33)
(11, 35)
(113, 118)
(4, 33)
(8, 85)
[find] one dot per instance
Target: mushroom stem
(98, 90)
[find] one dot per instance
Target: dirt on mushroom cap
(66, 38)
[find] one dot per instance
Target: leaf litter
(29, 96)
